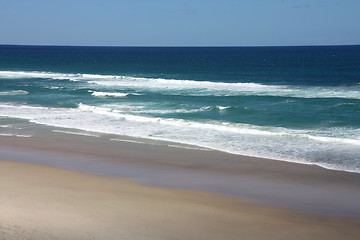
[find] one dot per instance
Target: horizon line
(177, 46)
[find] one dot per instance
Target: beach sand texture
(65, 186)
(42, 202)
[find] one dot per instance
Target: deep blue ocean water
(297, 104)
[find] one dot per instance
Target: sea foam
(191, 87)
(109, 94)
(279, 143)
(15, 92)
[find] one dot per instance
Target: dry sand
(42, 202)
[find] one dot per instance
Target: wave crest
(15, 92)
(191, 87)
(109, 94)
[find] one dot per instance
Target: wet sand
(150, 190)
(42, 202)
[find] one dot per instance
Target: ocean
(297, 104)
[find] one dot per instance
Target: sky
(180, 22)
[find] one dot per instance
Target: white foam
(53, 87)
(191, 87)
(15, 92)
(270, 142)
(109, 94)
(7, 135)
(25, 107)
(32, 112)
(24, 136)
(14, 135)
(209, 125)
(97, 76)
(344, 104)
(160, 144)
(172, 84)
(76, 133)
(336, 140)
(35, 74)
(126, 140)
(195, 88)
(190, 148)
(10, 126)
(170, 111)
(222, 107)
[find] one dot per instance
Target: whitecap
(222, 107)
(194, 88)
(344, 104)
(109, 94)
(15, 92)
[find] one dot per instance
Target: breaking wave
(191, 87)
(335, 148)
(15, 92)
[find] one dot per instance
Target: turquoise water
(298, 104)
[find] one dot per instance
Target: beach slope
(43, 202)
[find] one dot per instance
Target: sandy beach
(179, 120)
(77, 187)
(41, 202)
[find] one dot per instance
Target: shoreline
(307, 188)
(339, 163)
(46, 130)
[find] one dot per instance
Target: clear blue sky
(180, 22)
